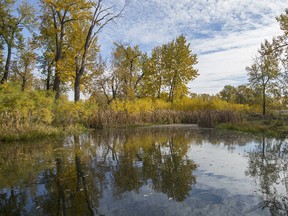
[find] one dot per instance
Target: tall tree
(57, 17)
(11, 25)
(264, 71)
(178, 64)
(90, 29)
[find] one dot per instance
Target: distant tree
(47, 66)
(109, 84)
(134, 74)
(264, 71)
(169, 69)
(228, 93)
(246, 95)
(24, 64)
(126, 63)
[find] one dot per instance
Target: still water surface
(179, 170)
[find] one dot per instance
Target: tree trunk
(7, 65)
(48, 80)
(56, 86)
(264, 102)
(172, 88)
(77, 87)
(23, 83)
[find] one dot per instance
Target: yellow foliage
(68, 112)
(184, 104)
(200, 104)
(138, 106)
(24, 108)
(161, 105)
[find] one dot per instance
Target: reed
(212, 118)
(110, 118)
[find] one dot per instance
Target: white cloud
(227, 66)
(224, 33)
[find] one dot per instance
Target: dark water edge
(175, 170)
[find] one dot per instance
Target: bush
(18, 109)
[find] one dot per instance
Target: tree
(101, 16)
(11, 26)
(57, 17)
(126, 63)
(247, 95)
(178, 65)
(47, 65)
(108, 83)
(228, 93)
(264, 71)
(153, 74)
(25, 63)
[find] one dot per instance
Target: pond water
(175, 170)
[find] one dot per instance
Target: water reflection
(268, 164)
(69, 177)
(166, 171)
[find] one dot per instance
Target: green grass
(271, 129)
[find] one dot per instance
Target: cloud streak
(224, 33)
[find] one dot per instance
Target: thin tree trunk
(172, 88)
(264, 102)
(7, 65)
(49, 72)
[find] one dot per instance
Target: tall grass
(110, 118)
(212, 118)
(187, 110)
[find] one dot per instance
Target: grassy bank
(268, 127)
(37, 132)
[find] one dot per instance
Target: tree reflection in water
(70, 177)
(269, 166)
(162, 160)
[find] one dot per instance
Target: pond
(168, 170)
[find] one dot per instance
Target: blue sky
(225, 34)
